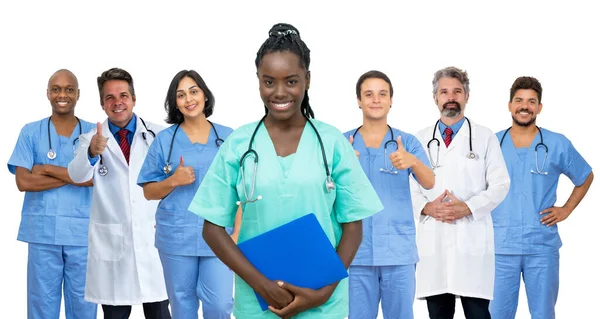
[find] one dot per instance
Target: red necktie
(123, 143)
(448, 138)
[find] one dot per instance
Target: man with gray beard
(455, 235)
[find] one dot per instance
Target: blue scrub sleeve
(23, 153)
(216, 198)
(152, 169)
(93, 160)
(356, 198)
(576, 168)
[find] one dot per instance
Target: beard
(521, 123)
(451, 112)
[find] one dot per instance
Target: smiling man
(526, 222)
(123, 265)
(384, 266)
(55, 215)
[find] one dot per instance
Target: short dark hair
(526, 83)
(174, 115)
(285, 37)
(114, 74)
(373, 74)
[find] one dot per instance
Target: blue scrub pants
(540, 275)
(393, 285)
(192, 278)
(48, 268)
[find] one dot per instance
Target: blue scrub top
(389, 235)
(179, 231)
(58, 216)
(517, 226)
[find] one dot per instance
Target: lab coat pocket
(401, 235)
(426, 238)
(471, 238)
(106, 241)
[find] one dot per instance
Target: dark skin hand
(228, 252)
(306, 298)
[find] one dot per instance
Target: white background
(495, 42)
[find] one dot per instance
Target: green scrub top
(291, 187)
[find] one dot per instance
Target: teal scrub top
(291, 187)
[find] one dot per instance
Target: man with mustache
(455, 235)
(525, 223)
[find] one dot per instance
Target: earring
(206, 99)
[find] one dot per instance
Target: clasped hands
(446, 211)
(286, 300)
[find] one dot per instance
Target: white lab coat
(458, 258)
(123, 266)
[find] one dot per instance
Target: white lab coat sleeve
(80, 170)
(497, 181)
(419, 200)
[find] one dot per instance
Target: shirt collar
(131, 126)
(455, 127)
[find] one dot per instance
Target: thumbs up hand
(401, 159)
(98, 142)
(351, 139)
(184, 175)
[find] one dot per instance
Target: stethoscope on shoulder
(329, 183)
(167, 169)
(51, 153)
(389, 170)
(540, 144)
(470, 154)
(102, 170)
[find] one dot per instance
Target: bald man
(55, 213)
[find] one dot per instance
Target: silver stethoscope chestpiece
(103, 170)
(471, 155)
(167, 169)
(51, 154)
(329, 184)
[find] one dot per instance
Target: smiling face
(190, 98)
(524, 107)
(375, 99)
(282, 84)
(63, 93)
(118, 102)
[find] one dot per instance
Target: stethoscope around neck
(168, 168)
(385, 168)
(538, 145)
(51, 153)
(329, 183)
(103, 170)
(470, 154)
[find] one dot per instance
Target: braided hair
(285, 37)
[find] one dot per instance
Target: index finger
(285, 310)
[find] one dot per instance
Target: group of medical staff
(128, 212)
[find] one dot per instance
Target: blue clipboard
(298, 252)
